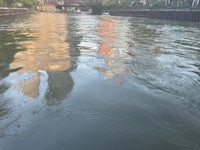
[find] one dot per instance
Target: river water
(78, 81)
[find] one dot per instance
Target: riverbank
(4, 11)
(186, 15)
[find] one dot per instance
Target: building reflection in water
(107, 34)
(47, 60)
(112, 47)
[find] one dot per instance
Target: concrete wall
(162, 14)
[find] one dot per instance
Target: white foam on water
(23, 109)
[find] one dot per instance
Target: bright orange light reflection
(110, 48)
(107, 34)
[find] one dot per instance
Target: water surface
(74, 82)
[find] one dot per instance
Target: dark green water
(82, 82)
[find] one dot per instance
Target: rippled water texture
(77, 81)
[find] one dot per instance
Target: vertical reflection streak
(112, 47)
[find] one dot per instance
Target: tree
(10, 2)
(29, 3)
(96, 6)
(2, 2)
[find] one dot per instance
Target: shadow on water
(10, 39)
(74, 34)
(60, 85)
(9, 45)
(4, 109)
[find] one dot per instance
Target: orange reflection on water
(107, 34)
(49, 50)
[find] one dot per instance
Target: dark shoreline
(186, 15)
(4, 11)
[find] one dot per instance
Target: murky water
(92, 82)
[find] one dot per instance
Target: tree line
(18, 3)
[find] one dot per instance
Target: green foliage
(24, 3)
(7, 2)
(29, 3)
(10, 2)
(96, 6)
(2, 2)
(92, 2)
(109, 2)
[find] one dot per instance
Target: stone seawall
(13, 11)
(162, 14)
